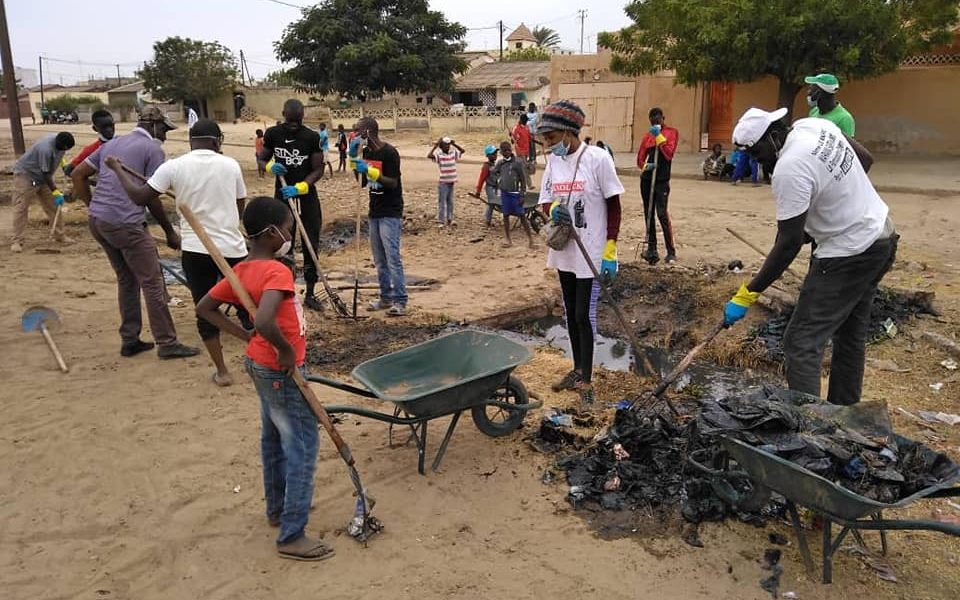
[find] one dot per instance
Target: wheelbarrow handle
(346, 387)
(953, 492)
(903, 525)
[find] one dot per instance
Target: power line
(282, 3)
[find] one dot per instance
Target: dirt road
(139, 479)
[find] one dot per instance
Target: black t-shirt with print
(292, 148)
(385, 202)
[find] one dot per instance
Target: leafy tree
(546, 37)
(745, 40)
(183, 69)
(369, 47)
(280, 77)
(3, 83)
(70, 103)
(531, 54)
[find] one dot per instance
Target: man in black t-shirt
(380, 171)
(293, 152)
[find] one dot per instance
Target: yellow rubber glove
(302, 188)
(660, 139)
(736, 307)
(373, 173)
(609, 265)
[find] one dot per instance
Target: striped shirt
(447, 161)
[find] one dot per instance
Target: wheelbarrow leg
(446, 440)
(422, 448)
(827, 551)
(883, 534)
(801, 538)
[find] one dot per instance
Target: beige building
(504, 84)
(521, 39)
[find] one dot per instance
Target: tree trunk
(786, 94)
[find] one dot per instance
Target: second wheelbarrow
(442, 377)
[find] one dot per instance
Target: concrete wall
(267, 102)
(55, 93)
(911, 111)
(540, 96)
(681, 105)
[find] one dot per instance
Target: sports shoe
(587, 395)
(376, 305)
(16, 247)
(569, 382)
(671, 258)
(64, 239)
(397, 310)
(652, 258)
(176, 350)
(135, 348)
(313, 303)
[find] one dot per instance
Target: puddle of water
(610, 353)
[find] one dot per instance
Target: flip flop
(314, 550)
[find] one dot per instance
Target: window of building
(519, 45)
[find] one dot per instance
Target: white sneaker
(16, 247)
(397, 310)
(376, 305)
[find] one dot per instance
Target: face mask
(103, 138)
(561, 148)
(285, 246)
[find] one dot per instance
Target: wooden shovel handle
(53, 348)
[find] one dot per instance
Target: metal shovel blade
(35, 316)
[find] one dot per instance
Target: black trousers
(580, 305)
(312, 219)
(834, 303)
(202, 274)
(661, 195)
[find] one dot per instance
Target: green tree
(531, 54)
(546, 37)
(369, 47)
(183, 69)
(3, 83)
(69, 103)
(280, 77)
(745, 40)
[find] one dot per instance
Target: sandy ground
(135, 478)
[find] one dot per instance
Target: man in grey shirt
(118, 223)
(33, 179)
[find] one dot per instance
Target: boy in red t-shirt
(521, 142)
(289, 437)
(258, 146)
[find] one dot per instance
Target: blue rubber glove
(648, 166)
(361, 166)
(560, 214)
(609, 265)
(276, 168)
(57, 197)
(736, 308)
(655, 130)
(292, 191)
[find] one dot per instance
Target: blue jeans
(743, 164)
(288, 447)
(385, 244)
(491, 191)
(445, 202)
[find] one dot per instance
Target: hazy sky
(121, 31)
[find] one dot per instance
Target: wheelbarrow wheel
(537, 220)
(497, 421)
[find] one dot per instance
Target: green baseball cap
(825, 81)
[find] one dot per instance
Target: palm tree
(546, 37)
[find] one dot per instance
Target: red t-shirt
(258, 276)
(521, 140)
(258, 146)
(87, 151)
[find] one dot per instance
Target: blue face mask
(561, 148)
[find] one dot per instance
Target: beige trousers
(24, 192)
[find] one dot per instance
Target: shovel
(44, 319)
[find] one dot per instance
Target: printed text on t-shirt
(831, 152)
(565, 187)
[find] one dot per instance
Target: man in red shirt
(521, 143)
(655, 156)
(105, 128)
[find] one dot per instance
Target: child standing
(289, 437)
(445, 153)
(325, 147)
(342, 148)
(510, 174)
(488, 183)
(261, 164)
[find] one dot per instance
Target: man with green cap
(822, 99)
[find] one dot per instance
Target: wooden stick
(53, 348)
(650, 217)
(302, 384)
(759, 251)
(56, 219)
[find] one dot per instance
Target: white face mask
(285, 246)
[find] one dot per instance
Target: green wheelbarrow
(831, 501)
(441, 377)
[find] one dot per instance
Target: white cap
(446, 139)
(753, 124)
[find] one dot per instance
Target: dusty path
(139, 479)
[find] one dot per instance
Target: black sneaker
(652, 258)
(177, 350)
(569, 382)
(671, 258)
(135, 348)
(313, 303)
(587, 395)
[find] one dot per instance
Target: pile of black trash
(642, 463)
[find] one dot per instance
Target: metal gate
(609, 110)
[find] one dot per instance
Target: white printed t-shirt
(819, 173)
(209, 184)
(596, 180)
(447, 161)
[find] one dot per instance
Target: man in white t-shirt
(212, 186)
(823, 194)
(580, 187)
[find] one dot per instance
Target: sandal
(306, 549)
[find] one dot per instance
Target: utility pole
(119, 79)
(501, 40)
(10, 85)
(42, 102)
(242, 80)
(582, 13)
